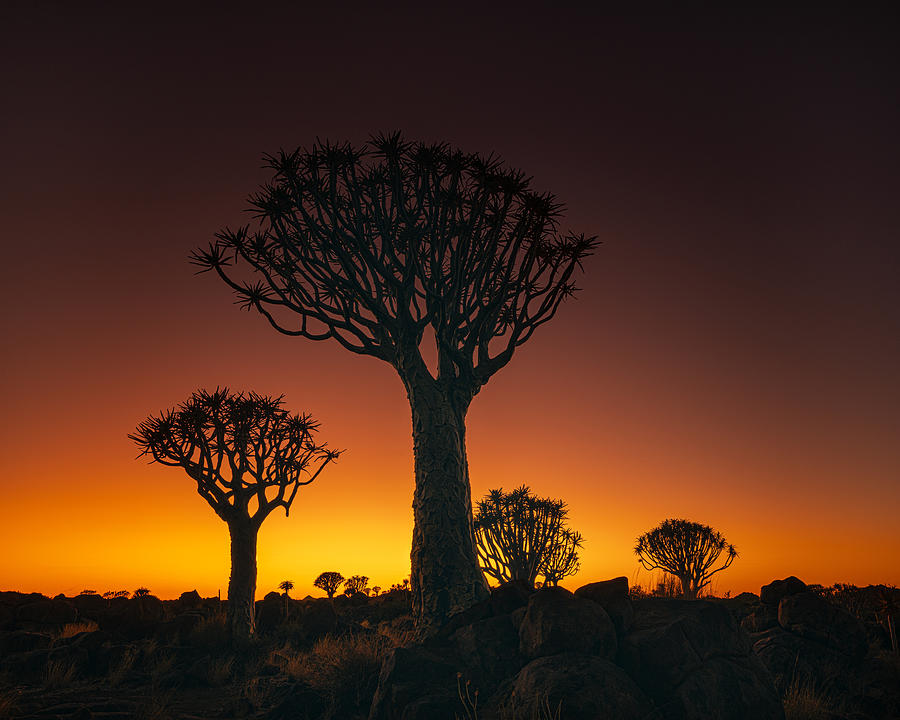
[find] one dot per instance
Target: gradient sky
(733, 357)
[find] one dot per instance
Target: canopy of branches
(519, 536)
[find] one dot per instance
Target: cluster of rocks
(593, 653)
(806, 641)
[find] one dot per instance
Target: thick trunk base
(445, 576)
(242, 585)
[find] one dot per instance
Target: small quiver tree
(286, 586)
(356, 584)
(687, 550)
(519, 536)
(329, 581)
(248, 456)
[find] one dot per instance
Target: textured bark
(445, 576)
(242, 584)
(687, 588)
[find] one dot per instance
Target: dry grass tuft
(802, 701)
(342, 670)
(155, 707)
(59, 674)
(118, 673)
(73, 629)
(211, 632)
(8, 701)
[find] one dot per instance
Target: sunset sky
(733, 357)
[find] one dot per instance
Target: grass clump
(342, 670)
(70, 630)
(59, 674)
(803, 701)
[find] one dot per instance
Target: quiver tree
(329, 582)
(248, 456)
(519, 536)
(380, 246)
(356, 584)
(286, 586)
(687, 550)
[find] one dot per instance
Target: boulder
(47, 612)
(811, 616)
(556, 621)
(772, 593)
(612, 596)
(269, 612)
(761, 619)
(189, 600)
(791, 658)
(317, 619)
(488, 651)
(135, 618)
(687, 655)
(20, 641)
(580, 687)
(89, 606)
(408, 676)
(509, 596)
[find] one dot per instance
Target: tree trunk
(242, 584)
(687, 588)
(445, 576)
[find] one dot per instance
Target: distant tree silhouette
(376, 590)
(286, 586)
(88, 592)
(382, 247)
(402, 585)
(248, 456)
(356, 584)
(519, 536)
(110, 594)
(141, 592)
(687, 550)
(329, 582)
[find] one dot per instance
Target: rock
(317, 619)
(761, 619)
(90, 606)
(269, 612)
(582, 687)
(555, 621)
(726, 688)
(189, 600)
(20, 641)
(488, 651)
(772, 593)
(811, 616)
(433, 707)
(676, 648)
(47, 612)
(507, 597)
(612, 596)
(791, 658)
(136, 618)
(407, 676)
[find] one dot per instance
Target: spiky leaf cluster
(373, 245)
(519, 536)
(246, 452)
(686, 549)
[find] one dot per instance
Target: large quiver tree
(248, 456)
(373, 247)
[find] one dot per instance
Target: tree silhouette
(141, 592)
(519, 536)
(687, 550)
(383, 246)
(356, 584)
(329, 582)
(248, 456)
(286, 586)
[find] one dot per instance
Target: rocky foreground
(595, 653)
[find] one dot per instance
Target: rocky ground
(595, 653)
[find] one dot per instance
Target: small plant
(467, 697)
